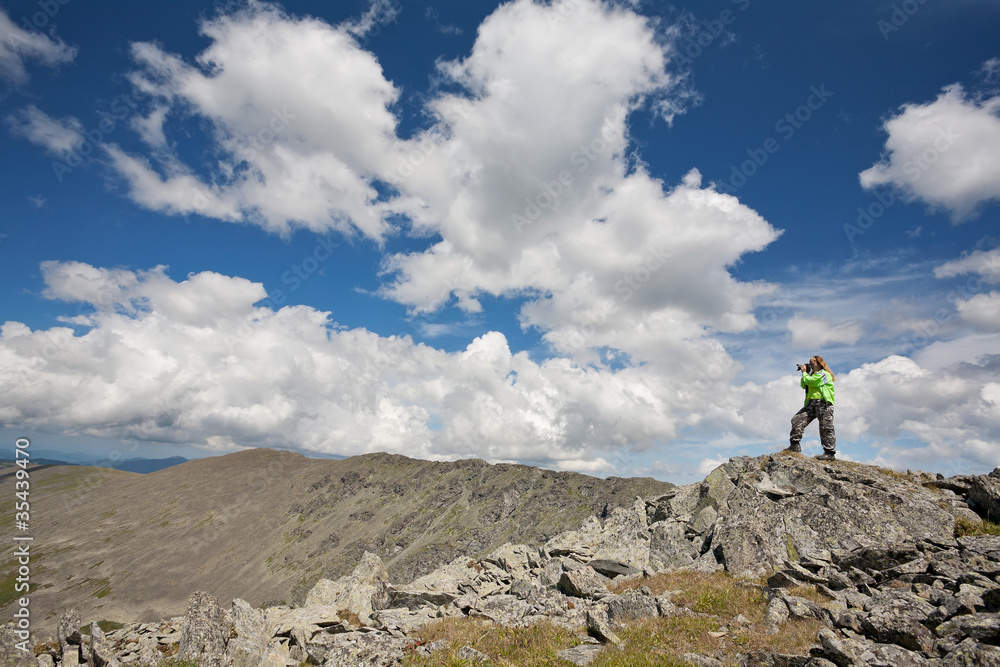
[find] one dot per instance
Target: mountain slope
(260, 524)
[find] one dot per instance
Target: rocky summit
(896, 580)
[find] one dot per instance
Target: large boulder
(250, 643)
(622, 537)
(781, 507)
(984, 495)
(204, 632)
(362, 592)
(669, 546)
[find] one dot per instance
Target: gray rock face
(10, 654)
(583, 583)
(101, 654)
(251, 645)
(204, 633)
(68, 630)
(818, 507)
(984, 496)
(361, 592)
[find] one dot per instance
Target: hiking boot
(826, 456)
(793, 449)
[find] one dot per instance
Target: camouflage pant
(815, 409)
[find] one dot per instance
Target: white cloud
(708, 465)
(17, 46)
(985, 263)
(945, 153)
(196, 362)
(61, 138)
(299, 123)
(912, 416)
(526, 179)
(524, 175)
(816, 332)
(982, 311)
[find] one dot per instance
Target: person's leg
(800, 420)
(827, 434)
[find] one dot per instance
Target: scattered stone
(581, 655)
(597, 627)
(472, 655)
(583, 583)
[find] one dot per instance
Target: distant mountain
(146, 465)
(265, 525)
(40, 456)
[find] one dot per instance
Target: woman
(817, 380)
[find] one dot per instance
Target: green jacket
(817, 385)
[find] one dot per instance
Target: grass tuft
(965, 526)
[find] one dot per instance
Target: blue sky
(584, 235)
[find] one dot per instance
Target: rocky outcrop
(895, 586)
(917, 603)
(361, 593)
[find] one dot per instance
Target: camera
(806, 367)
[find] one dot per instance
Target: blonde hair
(823, 365)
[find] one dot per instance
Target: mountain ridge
(264, 524)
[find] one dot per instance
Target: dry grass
(717, 598)
(964, 527)
(536, 646)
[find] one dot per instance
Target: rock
(775, 614)
(612, 568)
(879, 557)
(623, 537)
(472, 655)
(969, 653)
(984, 496)
(982, 627)
(305, 621)
(68, 631)
(361, 592)
(836, 507)
(367, 649)
(250, 647)
(45, 660)
(581, 655)
(703, 520)
(101, 654)
(631, 606)
(669, 547)
(583, 583)
(699, 660)
(716, 488)
(897, 617)
(10, 654)
(203, 633)
(597, 627)
(404, 620)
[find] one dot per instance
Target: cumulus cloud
(523, 173)
(18, 46)
(945, 153)
(60, 138)
(982, 311)
(816, 332)
(196, 361)
(527, 181)
(299, 124)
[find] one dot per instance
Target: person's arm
(815, 379)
